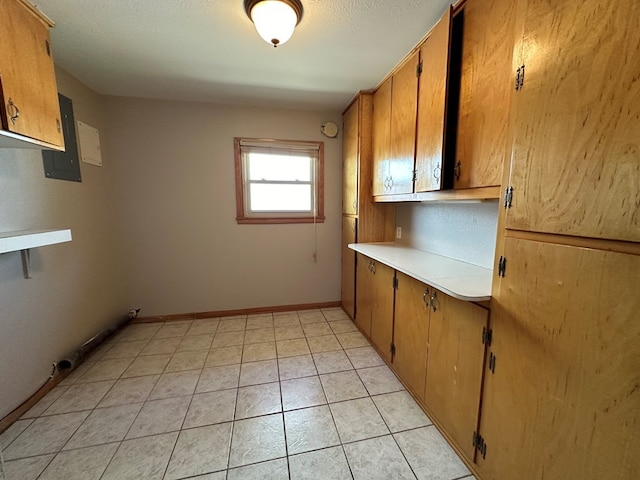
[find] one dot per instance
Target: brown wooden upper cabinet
(28, 88)
(350, 159)
(381, 135)
(486, 83)
(575, 164)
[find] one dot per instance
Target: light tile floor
(297, 395)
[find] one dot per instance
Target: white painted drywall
(174, 178)
(460, 230)
(76, 289)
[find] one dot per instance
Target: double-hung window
(279, 181)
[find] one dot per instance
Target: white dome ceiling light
(274, 20)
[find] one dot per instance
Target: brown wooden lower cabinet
(348, 266)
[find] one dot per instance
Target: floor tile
(160, 416)
(158, 346)
(129, 390)
(296, 367)
(203, 327)
(75, 376)
(125, 350)
(80, 397)
(378, 380)
(175, 384)
(258, 400)
(311, 316)
(211, 408)
(187, 361)
(138, 331)
(104, 425)
(45, 435)
(222, 475)
(363, 357)
(271, 470)
(11, 433)
(330, 461)
(83, 464)
(358, 420)
(343, 326)
(200, 450)
(301, 393)
(289, 332)
(218, 378)
(310, 429)
(352, 340)
(219, 356)
(26, 468)
(147, 365)
(256, 440)
(429, 454)
(142, 458)
(232, 325)
(258, 372)
(228, 339)
(292, 348)
(106, 370)
(333, 314)
(286, 319)
(259, 335)
(259, 351)
(198, 342)
(377, 459)
(173, 329)
(260, 321)
(324, 343)
(400, 411)
(342, 386)
(330, 362)
(317, 329)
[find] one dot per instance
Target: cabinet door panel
(381, 131)
(350, 157)
(382, 310)
(454, 370)
(364, 294)
(404, 111)
(28, 76)
(434, 56)
(485, 87)
(348, 265)
(576, 149)
(411, 333)
(563, 401)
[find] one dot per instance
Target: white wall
(460, 230)
(75, 291)
(174, 177)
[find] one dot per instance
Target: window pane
(283, 198)
(264, 166)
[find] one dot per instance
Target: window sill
(277, 220)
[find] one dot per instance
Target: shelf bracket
(26, 262)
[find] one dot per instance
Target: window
(279, 181)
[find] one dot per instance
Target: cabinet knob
(436, 173)
(355, 205)
(13, 111)
(435, 303)
(424, 298)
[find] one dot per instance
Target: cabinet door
(404, 111)
(29, 91)
(576, 148)
(411, 332)
(348, 265)
(432, 91)
(563, 401)
(350, 157)
(364, 293)
(455, 365)
(382, 309)
(486, 84)
(381, 131)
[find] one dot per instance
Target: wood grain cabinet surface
(348, 265)
(29, 93)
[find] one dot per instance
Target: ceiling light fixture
(274, 20)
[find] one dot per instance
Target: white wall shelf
(24, 240)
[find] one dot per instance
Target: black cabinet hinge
(502, 266)
(480, 444)
(395, 283)
(47, 47)
(508, 197)
(492, 362)
(487, 336)
(392, 349)
(520, 78)
(419, 69)
(415, 175)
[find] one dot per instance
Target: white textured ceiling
(208, 50)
